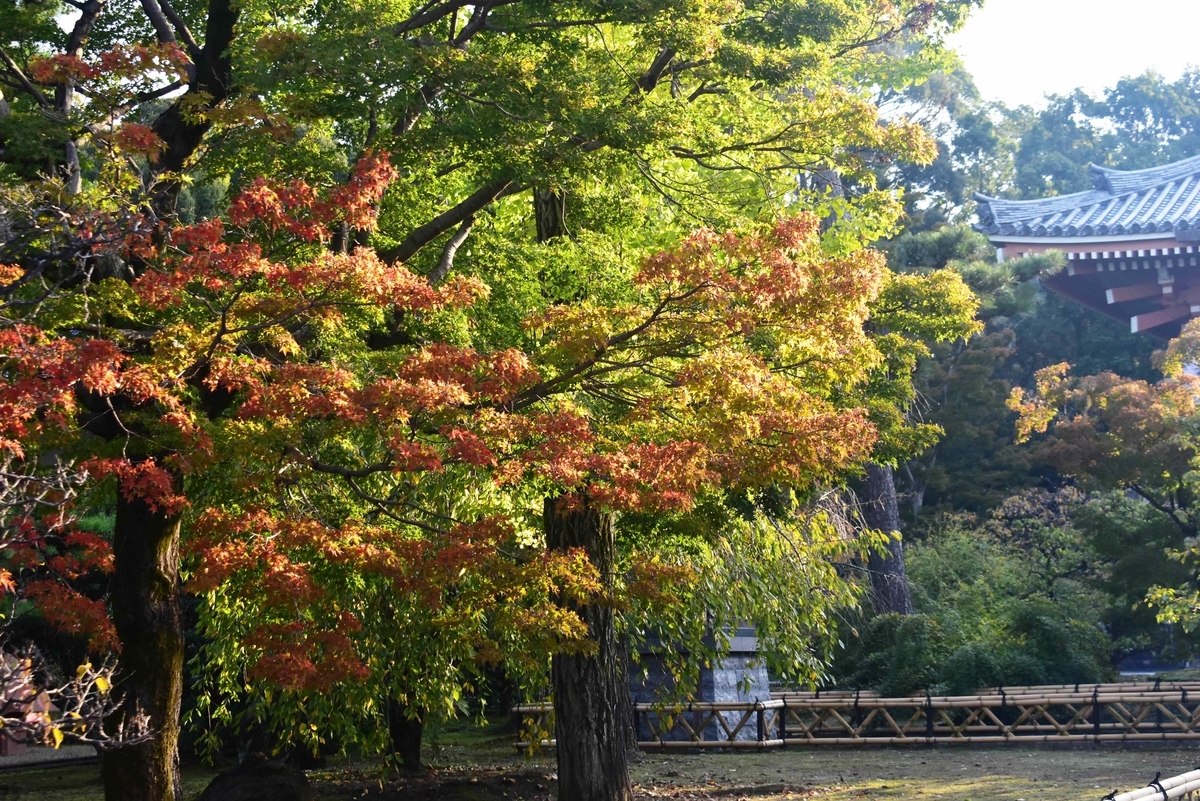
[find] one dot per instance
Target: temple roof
(1124, 202)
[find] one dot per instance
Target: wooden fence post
(928, 716)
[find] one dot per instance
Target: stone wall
(650, 681)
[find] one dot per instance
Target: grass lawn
(481, 765)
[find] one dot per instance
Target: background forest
(1025, 568)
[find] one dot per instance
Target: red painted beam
(1121, 294)
(1144, 322)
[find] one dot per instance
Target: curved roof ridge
(1119, 182)
(1153, 200)
(1008, 210)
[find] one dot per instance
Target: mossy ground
(480, 764)
(77, 783)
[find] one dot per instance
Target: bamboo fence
(1059, 713)
(1183, 786)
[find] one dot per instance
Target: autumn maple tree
(721, 371)
(154, 370)
(1138, 437)
(87, 378)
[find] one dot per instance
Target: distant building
(1132, 243)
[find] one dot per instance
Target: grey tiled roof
(1157, 200)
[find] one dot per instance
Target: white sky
(1021, 50)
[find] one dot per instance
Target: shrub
(971, 667)
(896, 655)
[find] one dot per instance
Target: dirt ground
(942, 773)
(1047, 773)
(481, 765)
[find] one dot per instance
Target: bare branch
(490, 104)
(429, 13)
(446, 262)
(162, 90)
(476, 23)
(649, 79)
(338, 470)
(550, 24)
(1170, 510)
(76, 711)
(705, 89)
(429, 95)
(24, 81)
(475, 202)
(158, 21)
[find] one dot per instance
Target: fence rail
(1185, 786)
(1058, 713)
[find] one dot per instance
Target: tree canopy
(358, 307)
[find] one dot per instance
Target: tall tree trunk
(550, 213)
(406, 733)
(889, 581)
(64, 93)
(592, 709)
(881, 509)
(149, 624)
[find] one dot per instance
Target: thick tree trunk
(881, 510)
(592, 708)
(406, 733)
(145, 601)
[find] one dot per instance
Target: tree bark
(593, 713)
(406, 733)
(881, 510)
(149, 624)
(550, 213)
(592, 709)
(64, 93)
(178, 126)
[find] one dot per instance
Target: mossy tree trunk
(149, 624)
